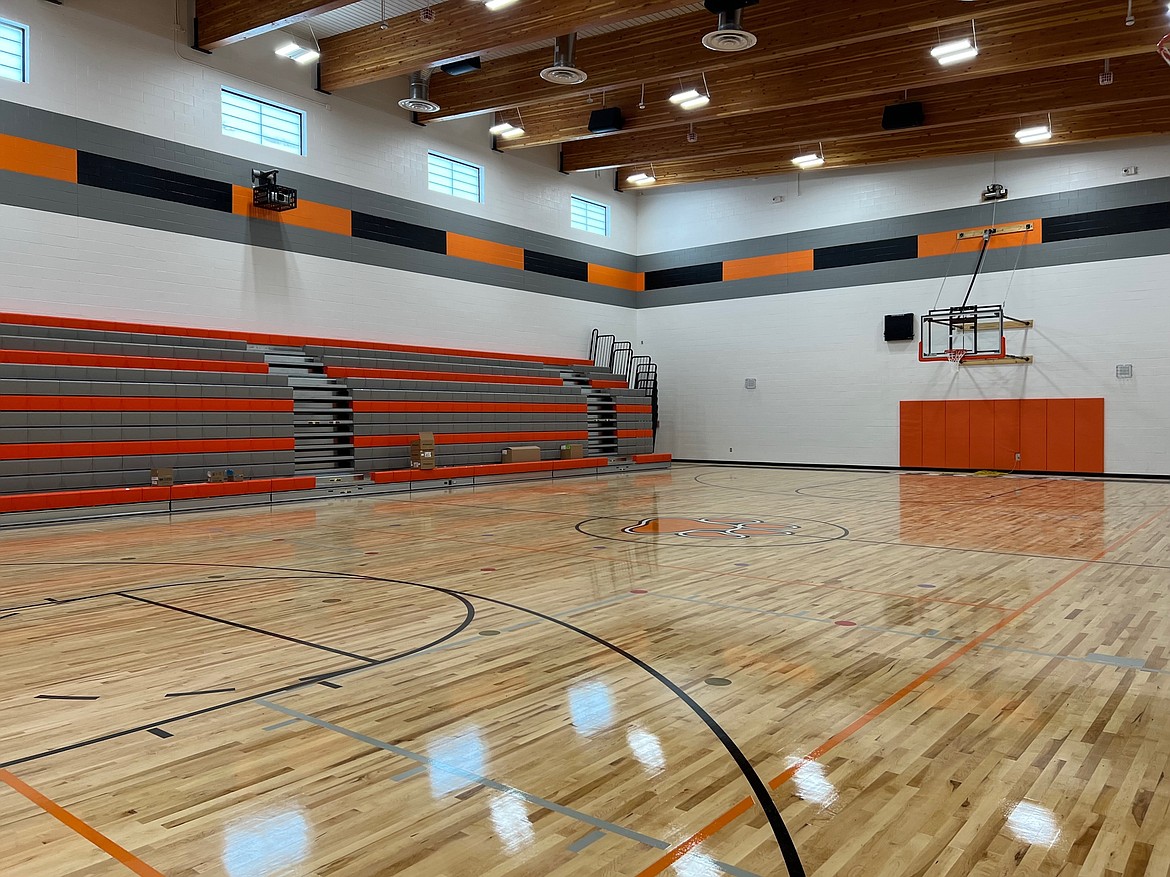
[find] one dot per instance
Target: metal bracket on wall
(1002, 229)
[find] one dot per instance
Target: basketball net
(1164, 48)
(956, 357)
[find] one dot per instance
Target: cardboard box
(233, 475)
(216, 476)
(572, 452)
(422, 451)
(522, 454)
(162, 477)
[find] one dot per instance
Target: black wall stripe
(1098, 223)
(140, 179)
(556, 266)
(689, 275)
(402, 234)
(867, 253)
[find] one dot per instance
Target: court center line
(79, 826)
(849, 730)
(426, 762)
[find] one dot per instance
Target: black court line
(159, 732)
(66, 697)
(469, 617)
(197, 693)
(9, 615)
(759, 788)
(248, 627)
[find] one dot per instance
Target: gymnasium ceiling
(817, 78)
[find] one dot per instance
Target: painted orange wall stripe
(849, 730)
(635, 433)
(38, 159)
(635, 409)
(634, 281)
(478, 407)
(469, 438)
(309, 214)
(79, 826)
(464, 247)
(139, 403)
(944, 243)
(61, 450)
(768, 266)
(395, 374)
(101, 360)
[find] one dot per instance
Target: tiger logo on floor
(710, 528)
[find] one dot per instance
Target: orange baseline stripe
(79, 826)
(849, 730)
(309, 214)
(634, 281)
(768, 266)
(944, 243)
(38, 159)
(464, 247)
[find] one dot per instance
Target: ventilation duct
(729, 35)
(563, 71)
(419, 99)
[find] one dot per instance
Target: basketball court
(928, 674)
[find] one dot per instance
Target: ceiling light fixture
(493, 5)
(295, 51)
(642, 178)
(810, 160)
(957, 51)
(691, 98)
(1036, 133)
(507, 130)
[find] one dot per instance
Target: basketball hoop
(1164, 48)
(955, 357)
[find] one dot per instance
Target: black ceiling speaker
(606, 121)
(460, 68)
(895, 117)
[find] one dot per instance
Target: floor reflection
(266, 844)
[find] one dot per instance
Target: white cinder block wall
(829, 385)
(124, 64)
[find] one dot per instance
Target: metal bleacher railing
(639, 372)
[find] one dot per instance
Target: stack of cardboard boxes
(422, 451)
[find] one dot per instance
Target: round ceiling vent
(561, 75)
(419, 105)
(729, 40)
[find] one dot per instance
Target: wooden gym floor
(928, 675)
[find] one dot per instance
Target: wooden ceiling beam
(659, 52)
(892, 67)
(462, 29)
(1080, 126)
(223, 22)
(1021, 94)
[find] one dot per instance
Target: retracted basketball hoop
(1164, 48)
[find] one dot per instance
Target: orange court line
(848, 731)
(83, 828)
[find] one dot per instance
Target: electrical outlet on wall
(1017, 456)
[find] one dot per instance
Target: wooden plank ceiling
(818, 77)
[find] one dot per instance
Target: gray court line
(580, 844)
(407, 774)
(280, 725)
(426, 762)
(1091, 658)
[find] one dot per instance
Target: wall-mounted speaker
(898, 116)
(899, 327)
(606, 121)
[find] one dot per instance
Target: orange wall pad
(38, 159)
(1049, 435)
(464, 247)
